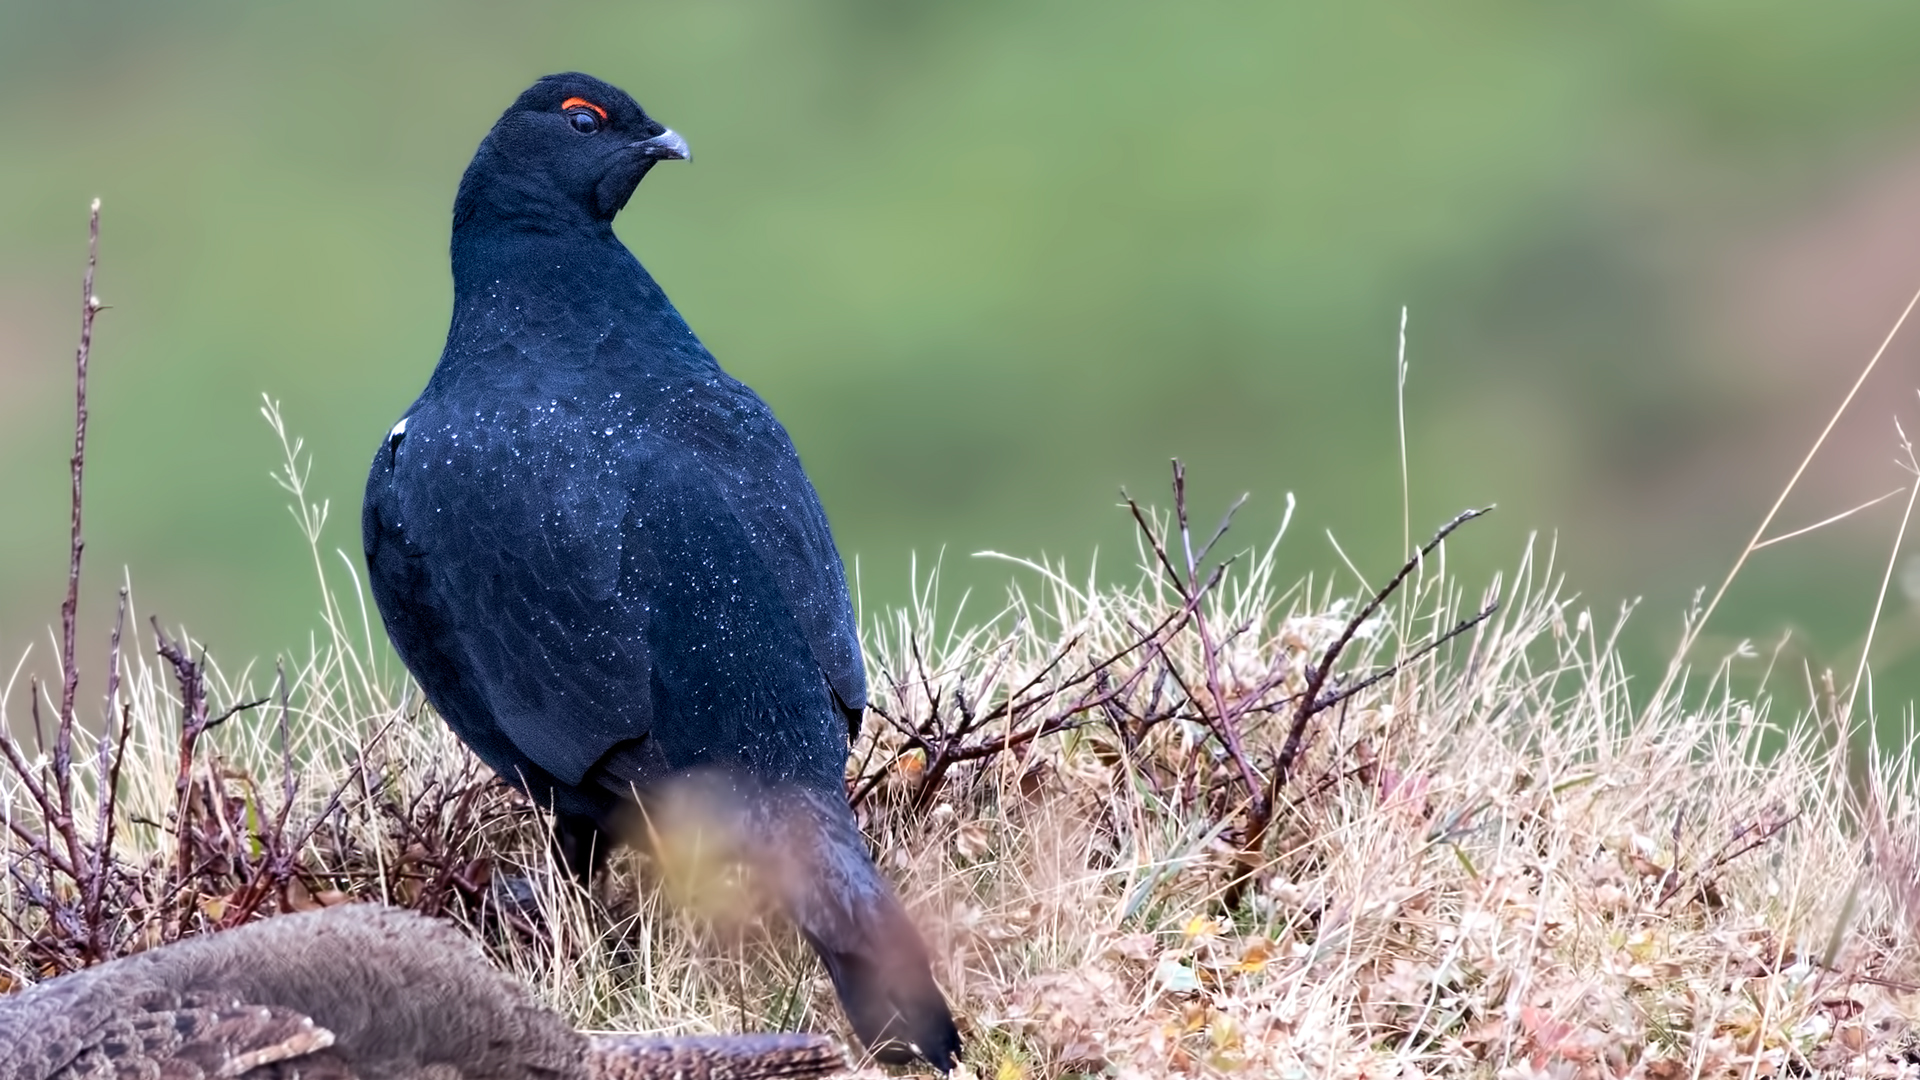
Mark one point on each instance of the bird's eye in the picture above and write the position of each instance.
(584, 115)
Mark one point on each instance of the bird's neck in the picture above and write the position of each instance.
(583, 269)
(574, 292)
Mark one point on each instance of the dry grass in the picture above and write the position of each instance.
(1486, 866)
(1209, 824)
(1489, 863)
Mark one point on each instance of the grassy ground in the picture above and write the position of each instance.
(1494, 861)
(1214, 823)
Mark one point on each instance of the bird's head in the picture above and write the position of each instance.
(571, 148)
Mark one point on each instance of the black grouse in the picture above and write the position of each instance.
(599, 556)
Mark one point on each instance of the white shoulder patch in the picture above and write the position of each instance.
(398, 430)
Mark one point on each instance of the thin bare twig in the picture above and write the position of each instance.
(70, 608)
(1317, 678)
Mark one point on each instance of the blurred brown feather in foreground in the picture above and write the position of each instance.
(357, 992)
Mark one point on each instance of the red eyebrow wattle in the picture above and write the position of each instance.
(582, 103)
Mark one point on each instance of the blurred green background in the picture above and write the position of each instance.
(991, 262)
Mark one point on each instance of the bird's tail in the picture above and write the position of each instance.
(848, 912)
(804, 847)
(713, 1057)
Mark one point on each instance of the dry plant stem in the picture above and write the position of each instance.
(1749, 838)
(1226, 714)
(70, 609)
(1454, 631)
(1310, 700)
(1697, 624)
(1310, 703)
(1912, 466)
(190, 674)
(108, 757)
(61, 766)
(1826, 521)
(37, 791)
(1192, 591)
(1107, 688)
(1400, 407)
(289, 785)
(277, 865)
(945, 746)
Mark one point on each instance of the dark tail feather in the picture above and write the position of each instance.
(890, 997)
(847, 911)
(804, 846)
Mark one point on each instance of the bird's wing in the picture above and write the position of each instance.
(759, 475)
(499, 575)
(211, 1041)
(561, 586)
(193, 1039)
